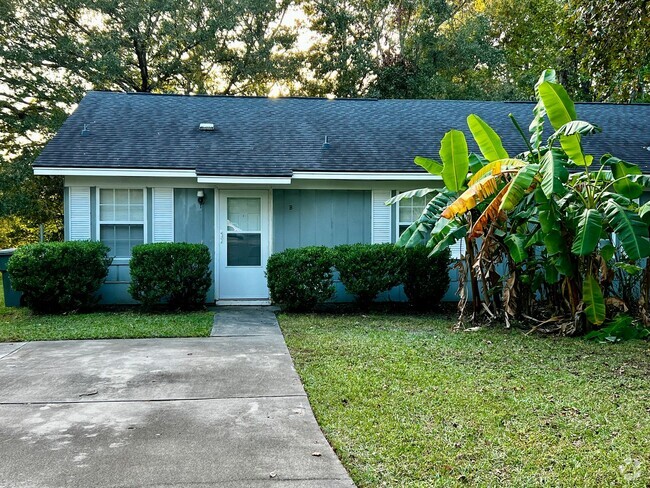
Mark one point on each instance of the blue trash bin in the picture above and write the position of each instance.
(12, 297)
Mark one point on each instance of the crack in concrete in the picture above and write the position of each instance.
(152, 400)
(14, 351)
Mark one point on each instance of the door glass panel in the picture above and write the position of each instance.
(244, 214)
(244, 249)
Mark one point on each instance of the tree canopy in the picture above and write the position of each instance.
(52, 51)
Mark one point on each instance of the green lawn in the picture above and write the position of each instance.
(405, 401)
(20, 325)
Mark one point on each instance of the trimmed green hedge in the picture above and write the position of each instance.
(59, 277)
(425, 278)
(368, 269)
(174, 273)
(300, 279)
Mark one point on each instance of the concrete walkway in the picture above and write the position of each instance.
(226, 411)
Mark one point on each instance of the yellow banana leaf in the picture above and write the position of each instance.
(472, 196)
(490, 214)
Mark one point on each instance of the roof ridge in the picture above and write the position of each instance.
(350, 99)
(210, 95)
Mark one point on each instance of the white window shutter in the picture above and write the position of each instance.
(163, 215)
(79, 215)
(381, 222)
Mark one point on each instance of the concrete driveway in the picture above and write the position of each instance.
(221, 411)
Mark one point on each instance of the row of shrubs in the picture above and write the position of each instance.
(65, 276)
(57, 277)
(301, 279)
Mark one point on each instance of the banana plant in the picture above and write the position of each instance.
(547, 212)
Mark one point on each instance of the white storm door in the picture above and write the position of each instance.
(243, 245)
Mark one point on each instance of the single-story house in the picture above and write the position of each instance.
(249, 176)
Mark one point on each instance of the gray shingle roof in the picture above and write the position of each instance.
(274, 137)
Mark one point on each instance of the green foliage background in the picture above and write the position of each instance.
(53, 51)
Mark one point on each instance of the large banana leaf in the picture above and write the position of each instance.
(576, 127)
(631, 231)
(420, 192)
(557, 103)
(419, 231)
(432, 166)
(447, 236)
(517, 246)
(476, 162)
(644, 212)
(554, 242)
(592, 296)
(536, 127)
(490, 214)
(455, 160)
(554, 173)
(472, 196)
(590, 227)
(488, 141)
(549, 214)
(563, 263)
(496, 168)
(519, 186)
(561, 110)
(625, 186)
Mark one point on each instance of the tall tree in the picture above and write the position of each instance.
(400, 49)
(535, 35)
(52, 51)
(614, 37)
(599, 48)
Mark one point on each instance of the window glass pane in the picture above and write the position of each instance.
(137, 213)
(122, 197)
(137, 233)
(122, 248)
(244, 250)
(244, 214)
(402, 228)
(106, 196)
(121, 212)
(107, 234)
(106, 212)
(122, 232)
(121, 205)
(136, 196)
(121, 238)
(404, 214)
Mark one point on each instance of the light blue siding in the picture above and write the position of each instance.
(320, 218)
(195, 223)
(192, 223)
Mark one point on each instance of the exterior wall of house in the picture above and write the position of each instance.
(320, 218)
(302, 216)
(194, 223)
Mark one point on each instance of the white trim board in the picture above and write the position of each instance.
(43, 170)
(363, 175)
(246, 180)
(221, 303)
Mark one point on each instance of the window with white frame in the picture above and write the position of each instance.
(121, 220)
(409, 210)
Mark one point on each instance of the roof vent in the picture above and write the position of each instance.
(326, 143)
(85, 131)
(206, 126)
